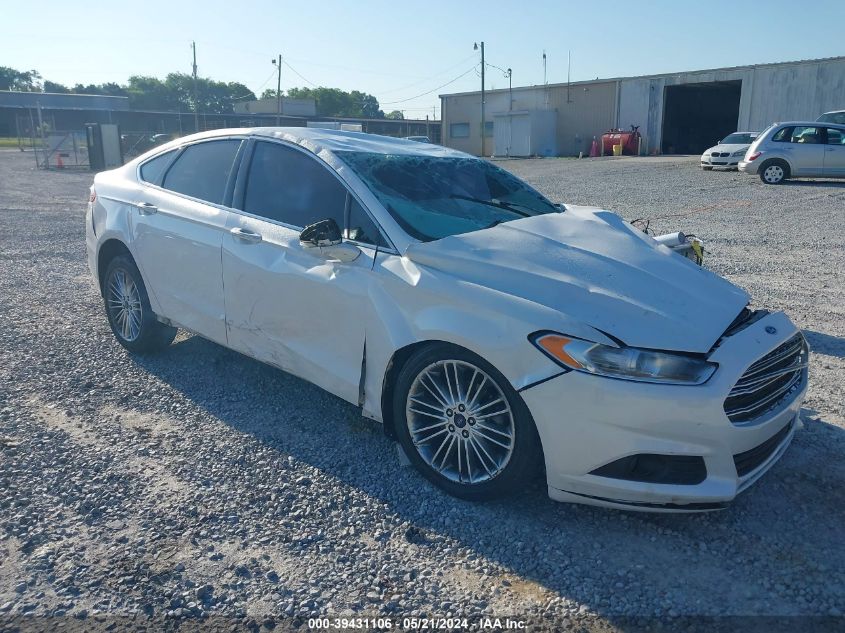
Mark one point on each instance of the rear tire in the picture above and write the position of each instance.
(128, 309)
(463, 426)
(774, 172)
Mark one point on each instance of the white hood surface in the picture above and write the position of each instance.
(594, 267)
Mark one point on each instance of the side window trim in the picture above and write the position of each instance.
(239, 192)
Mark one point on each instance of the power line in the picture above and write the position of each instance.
(442, 72)
(306, 80)
(464, 74)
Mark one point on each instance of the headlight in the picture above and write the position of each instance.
(740, 152)
(628, 363)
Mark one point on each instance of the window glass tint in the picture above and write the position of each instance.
(833, 117)
(202, 170)
(784, 135)
(835, 137)
(811, 135)
(289, 186)
(151, 170)
(361, 226)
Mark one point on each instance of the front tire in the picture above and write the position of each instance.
(707, 168)
(463, 426)
(774, 172)
(128, 309)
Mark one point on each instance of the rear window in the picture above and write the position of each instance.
(203, 169)
(833, 117)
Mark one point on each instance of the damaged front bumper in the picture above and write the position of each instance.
(653, 447)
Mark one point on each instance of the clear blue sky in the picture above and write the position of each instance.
(398, 50)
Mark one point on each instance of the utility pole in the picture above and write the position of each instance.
(196, 97)
(510, 90)
(483, 125)
(278, 90)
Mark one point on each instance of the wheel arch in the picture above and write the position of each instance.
(398, 360)
(109, 249)
(777, 159)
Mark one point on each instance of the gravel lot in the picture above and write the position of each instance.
(200, 483)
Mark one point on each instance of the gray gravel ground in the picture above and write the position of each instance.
(202, 484)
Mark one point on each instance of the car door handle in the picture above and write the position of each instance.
(244, 235)
(147, 208)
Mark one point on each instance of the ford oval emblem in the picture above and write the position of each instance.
(771, 329)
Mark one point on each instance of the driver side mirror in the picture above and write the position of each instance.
(325, 236)
(322, 233)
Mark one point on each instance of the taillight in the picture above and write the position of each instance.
(754, 156)
(93, 196)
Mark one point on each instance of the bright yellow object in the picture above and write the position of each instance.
(617, 150)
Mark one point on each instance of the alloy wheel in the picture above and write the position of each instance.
(124, 305)
(460, 422)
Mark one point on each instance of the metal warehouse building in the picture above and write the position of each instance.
(678, 113)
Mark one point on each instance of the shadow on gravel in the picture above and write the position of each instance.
(745, 559)
(837, 184)
(827, 344)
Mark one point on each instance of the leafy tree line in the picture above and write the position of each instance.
(176, 93)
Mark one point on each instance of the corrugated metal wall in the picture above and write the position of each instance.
(782, 92)
(776, 92)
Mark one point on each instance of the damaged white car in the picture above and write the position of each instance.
(495, 334)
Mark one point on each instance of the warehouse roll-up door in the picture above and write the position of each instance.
(696, 116)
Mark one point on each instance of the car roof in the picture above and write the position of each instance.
(810, 123)
(319, 140)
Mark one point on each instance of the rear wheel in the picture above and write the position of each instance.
(128, 309)
(774, 172)
(463, 426)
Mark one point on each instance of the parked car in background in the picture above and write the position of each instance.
(837, 116)
(495, 334)
(728, 152)
(797, 150)
(418, 139)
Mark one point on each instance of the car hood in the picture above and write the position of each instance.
(731, 147)
(594, 267)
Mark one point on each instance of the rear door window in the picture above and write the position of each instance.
(203, 169)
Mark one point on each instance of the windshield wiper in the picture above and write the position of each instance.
(498, 204)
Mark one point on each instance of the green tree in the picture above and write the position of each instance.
(23, 80)
(395, 114)
(337, 102)
(110, 88)
(52, 86)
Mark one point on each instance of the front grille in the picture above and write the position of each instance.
(768, 382)
(748, 461)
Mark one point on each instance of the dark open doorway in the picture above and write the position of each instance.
(695, 116)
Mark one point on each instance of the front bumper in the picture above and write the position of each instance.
(586, 422)
(727, 162)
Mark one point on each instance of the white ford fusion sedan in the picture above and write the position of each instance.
(495, 334)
